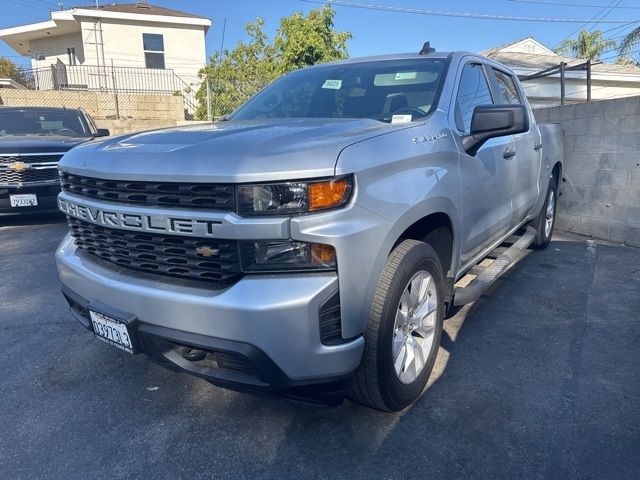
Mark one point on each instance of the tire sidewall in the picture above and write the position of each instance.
(543, 239)
(396, 394)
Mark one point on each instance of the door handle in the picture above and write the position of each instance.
(537, 146)
(509, 152)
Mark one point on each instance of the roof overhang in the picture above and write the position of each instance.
(134, 17)
(19, 38)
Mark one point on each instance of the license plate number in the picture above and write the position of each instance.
(112, 331)
(24, 200)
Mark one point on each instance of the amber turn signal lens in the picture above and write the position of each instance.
(323, 255)
(327, 194)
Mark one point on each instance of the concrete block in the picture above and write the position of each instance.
(590, 109)
(566, 112)
(605, 125)
(628, 160)
(596, 194)
(630, 124)
(609, 211)
(612, 178)
(618, 231)
(622, 106)
(633, 197)
(579, 176)
(573, 192)
(568, 144)
(621, 196)
(633, 216)
(578, 208)
(541, 114)
(567, 223)
(595, 228)
(634, 181)
(587, 143)
(633, 236)
(620, 142)
(576, 126)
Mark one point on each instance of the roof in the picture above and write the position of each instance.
(141, 8)
(518, 59)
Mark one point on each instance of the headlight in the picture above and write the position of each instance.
(293, 197)
(286, 255)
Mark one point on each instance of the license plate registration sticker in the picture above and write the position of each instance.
(112, 331)
(24, 200)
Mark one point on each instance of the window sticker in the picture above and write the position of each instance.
(332, 84)
(401, 118)
(406, 75)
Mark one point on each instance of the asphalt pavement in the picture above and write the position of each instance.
(540, 378)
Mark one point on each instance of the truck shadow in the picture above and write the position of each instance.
(31, 219)
(503, 392)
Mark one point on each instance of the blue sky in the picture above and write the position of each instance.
(373, 31)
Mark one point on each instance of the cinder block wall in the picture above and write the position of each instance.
(601, 195)
(99, 105)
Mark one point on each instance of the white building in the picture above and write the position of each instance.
(139, 35)
(527, 57)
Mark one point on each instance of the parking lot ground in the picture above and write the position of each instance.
(540, 378)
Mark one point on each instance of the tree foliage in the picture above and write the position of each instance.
(629, 41)
(241, 72)
(8, 69)
(588, 45)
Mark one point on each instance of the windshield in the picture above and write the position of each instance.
(31, 122)
(389, 91)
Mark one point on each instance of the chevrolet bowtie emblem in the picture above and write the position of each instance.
(207, 251)
(18, 166)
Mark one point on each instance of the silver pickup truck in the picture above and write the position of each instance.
(312, 240)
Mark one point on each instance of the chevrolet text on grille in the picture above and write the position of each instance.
(140, 222)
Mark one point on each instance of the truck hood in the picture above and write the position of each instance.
(38, 143)
(231, 151)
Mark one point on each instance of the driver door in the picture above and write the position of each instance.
(486, 178)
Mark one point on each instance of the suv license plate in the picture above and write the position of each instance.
(25, 200)
(112, 331)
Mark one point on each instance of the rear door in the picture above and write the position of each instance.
(487, 178)
(527, 145)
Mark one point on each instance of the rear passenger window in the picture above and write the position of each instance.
(473, 91)
(507, 92)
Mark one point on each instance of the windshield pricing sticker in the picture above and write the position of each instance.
(332, 84)
(406, 75)
(401, 118)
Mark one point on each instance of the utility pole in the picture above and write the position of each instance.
(115, 90)
(588, 80)
(562, 85)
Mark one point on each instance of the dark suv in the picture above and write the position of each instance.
(32, 141)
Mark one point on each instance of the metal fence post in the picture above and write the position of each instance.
(209, 116)
(562, 85)
(588, 80)
(115, 91)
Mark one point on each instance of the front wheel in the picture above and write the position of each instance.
(403, 334)
(546, 220)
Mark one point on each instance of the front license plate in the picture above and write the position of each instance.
(24, 200)
(112, 331)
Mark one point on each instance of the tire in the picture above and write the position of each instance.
(544, 232)
(377, 383)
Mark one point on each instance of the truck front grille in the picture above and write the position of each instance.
(167, 255)
(17, 157)
(208, 196)
(31, 175)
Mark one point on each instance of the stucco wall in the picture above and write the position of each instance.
(100, 105)
(601, 195)
(55, 48)
(184, 45)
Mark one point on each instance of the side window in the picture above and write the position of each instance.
(507, 92)
(473, 91)
(153, 44)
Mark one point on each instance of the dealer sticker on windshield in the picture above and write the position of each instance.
(401, 118)
(332, 84)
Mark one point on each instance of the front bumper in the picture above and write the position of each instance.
(46, 194)
(273, 320)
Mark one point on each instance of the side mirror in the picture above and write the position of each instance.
(491, 121)
(102, 132)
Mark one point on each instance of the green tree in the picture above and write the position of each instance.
(8, 69)
(241, 72)
(588, 45)
(629, 41)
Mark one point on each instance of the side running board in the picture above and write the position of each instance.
(486, 276)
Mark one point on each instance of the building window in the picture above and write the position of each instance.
(153, 45)
(71, 53)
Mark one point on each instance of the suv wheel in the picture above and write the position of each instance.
(404, 330)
